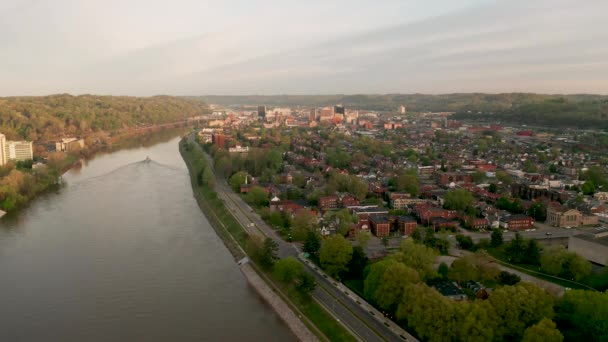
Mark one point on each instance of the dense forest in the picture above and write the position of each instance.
(49, 117)
(582, 111)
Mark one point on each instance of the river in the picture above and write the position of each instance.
(123, 253)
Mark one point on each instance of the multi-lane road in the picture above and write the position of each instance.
(366, 323)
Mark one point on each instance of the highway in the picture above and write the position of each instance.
(351, 311)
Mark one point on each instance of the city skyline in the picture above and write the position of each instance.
(240, 47)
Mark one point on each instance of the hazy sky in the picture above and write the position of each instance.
(193, 47)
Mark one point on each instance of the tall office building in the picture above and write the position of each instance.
(2, 149)
(261, 111)
(339, 109)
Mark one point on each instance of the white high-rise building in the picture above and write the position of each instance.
(19, 150)
(15, 150)
(2, 149)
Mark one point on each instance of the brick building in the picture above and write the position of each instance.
(559, 216)
(517, 222)
(380, 225)
(406, 225)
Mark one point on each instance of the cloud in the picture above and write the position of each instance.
(244, 47)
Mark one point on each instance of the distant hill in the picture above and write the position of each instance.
(581, 110)
(46, 117)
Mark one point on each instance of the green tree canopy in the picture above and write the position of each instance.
(386, 282)
(458, 199)
(312, 243)
(304, 222)
(257, 197)
(543, 331)
(558, 261)
(335, 254)
(418, 257)
(288, 269)
(582, 315)
(518, 307)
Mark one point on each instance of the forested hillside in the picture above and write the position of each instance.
(560, 112)
(48, 117)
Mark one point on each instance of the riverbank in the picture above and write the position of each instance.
(26, 184)
(236, 240)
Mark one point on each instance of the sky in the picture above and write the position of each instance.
(248, 47)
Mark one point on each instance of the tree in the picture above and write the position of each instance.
(357, 263)
(431, 315)
(518, 307)
(496, 238)
(358, 187)
(305, 284)
(443, 270)
(363, 237)
(458, 199)
(257, 197)
(344, 220)
(479, 177)
(463, 271)
(517, 248)
(476, 322)
(268, 253)
(304, 222)
(291, 272)
(588, 188)
(532, 253)
(408, 181)
(335, 254)
(392, 284)
(416, 235)
(537, 211)
(208, 178)
(417, 256)
(465, 242)
(529, 166)
(543, 331)
(596, 175)
(312, 243)
(493, 188)
(581, 315)
(236, 180)
(504, 177)
(506, 278)
(288, 269)
(558, 261)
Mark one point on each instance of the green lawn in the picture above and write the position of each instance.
(534, 271)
